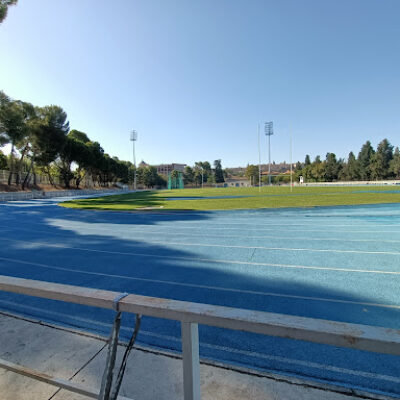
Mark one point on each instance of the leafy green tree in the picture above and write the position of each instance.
(395, 164)
(332, 167)
(380, 162)
(252, 173)
(50, 134)
(12, 126)
(175, 174)
(79, 136)
(150, 176)
(3, 161)
(198, 175)
(82, 155)
(188, 175)
(307, 160)
(202, 167)
(4, 4)
(72, 151)
(96, 155)
(350, 171)
(218, 173)
(364, 160)
(317, 170)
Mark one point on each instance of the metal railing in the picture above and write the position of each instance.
(361, 337)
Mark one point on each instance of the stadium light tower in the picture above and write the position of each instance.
(134, 136)
(269, 131)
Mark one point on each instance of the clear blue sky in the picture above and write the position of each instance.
(194, 78)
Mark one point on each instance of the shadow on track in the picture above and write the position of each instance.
(35, 249)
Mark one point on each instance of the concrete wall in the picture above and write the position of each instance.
(36, 194)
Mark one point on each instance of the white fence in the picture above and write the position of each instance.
(352, 183)
(361, 337)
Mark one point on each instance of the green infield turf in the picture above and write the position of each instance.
(240, 198)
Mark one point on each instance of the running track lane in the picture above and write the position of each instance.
(338, 263)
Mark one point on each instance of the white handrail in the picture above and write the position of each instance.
(361, 337)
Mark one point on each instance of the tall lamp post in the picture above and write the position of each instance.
(269, 131)
(134, 136)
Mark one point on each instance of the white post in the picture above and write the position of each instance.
(259, 160)
(191, 362)
(291, 163)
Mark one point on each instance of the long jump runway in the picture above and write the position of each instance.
(335, 263)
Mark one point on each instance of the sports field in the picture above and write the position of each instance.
(339, 263)
(242, 198)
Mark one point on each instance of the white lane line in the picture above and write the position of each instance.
(207, 260)
(227, 246)
(207, 287)
(316, 223)
(393, 253)
(79, 321)
(167, 243)
(63, 225)
(132, 228)
(71, 226)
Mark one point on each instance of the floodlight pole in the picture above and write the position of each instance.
(269, 131)
(133, 140)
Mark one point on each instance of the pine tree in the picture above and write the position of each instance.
(218, 173)
(381, 160)
(364, 160)
(395, 164)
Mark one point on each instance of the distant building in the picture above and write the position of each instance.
(165, 169)
(234, 182)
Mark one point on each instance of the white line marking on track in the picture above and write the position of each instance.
(243, 291)
(152, 232)
(395, 253)
(286, 360)
(136, 244)
(176, 226)
(63, 246)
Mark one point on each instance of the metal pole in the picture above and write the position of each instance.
(202, 177)
(291, 163)
(269, 160)
(269, 130)
(133, 139)
(191, 361)
(134, 163)
(259, 160)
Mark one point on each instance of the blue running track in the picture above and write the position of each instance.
(335, 263)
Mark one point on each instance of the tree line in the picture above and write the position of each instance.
(202, 173)
(370, 164)
(41, 142)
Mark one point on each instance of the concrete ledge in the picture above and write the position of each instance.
(150, 374)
